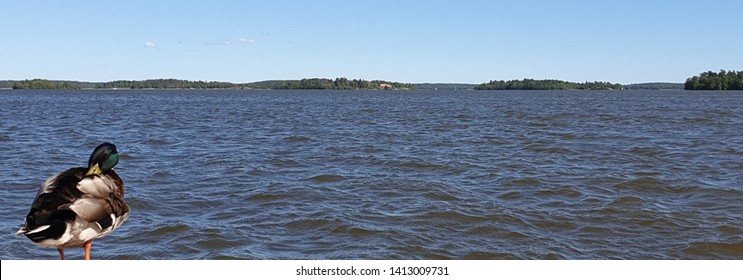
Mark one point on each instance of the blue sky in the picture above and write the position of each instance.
(408, 41)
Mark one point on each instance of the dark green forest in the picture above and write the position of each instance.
(445, 86)
(529, 84)
(7, 84)
(319, 84)
(724, 80)
(166, 84)
(45, 84)
(655, 86)
(337, 84)
(323, 84)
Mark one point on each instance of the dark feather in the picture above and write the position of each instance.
(56, 196)
(56, 227)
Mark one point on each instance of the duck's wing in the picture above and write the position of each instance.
(117, 211)
(101, 210)
(88, 208)
(50, 210)
(102, 201)
(100, 186)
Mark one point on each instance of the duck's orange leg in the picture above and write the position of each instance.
(61, 253)
(88, 244)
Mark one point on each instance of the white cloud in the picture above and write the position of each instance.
(245, 41)
(149, 45)
(241, 41)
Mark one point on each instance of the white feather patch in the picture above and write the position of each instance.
(87, 234)
(66, 237)
(121, 219)
(89, 209)
(96, 186)
(38, 229)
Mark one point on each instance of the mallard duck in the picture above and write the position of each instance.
(78, 205)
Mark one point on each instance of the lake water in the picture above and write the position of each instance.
(391, 175)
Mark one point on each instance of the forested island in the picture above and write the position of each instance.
(724, 80)
(529, 84)
(445, 86)
(655, 86)
(45, 84)
(318, 84)
(328, 84)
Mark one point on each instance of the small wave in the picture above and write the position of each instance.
(441, 196)
(169, 230)
(556, 204)
(698, 120)
(140, 204)
(540, 148)
(226, 257)
(516, 235)
(126, 156)
(537, 124)
(451, 216)
(594, 230)
(729, 230)
(373, 150)
(525, 182)
(327, 178)
(266, 196)
(553, 256)
(213, 243)
(660, 223)
(716, 250)
(294, 139)
(483, 230)
(162, 174)
(733, 152)
(627, 201)
(553, 225)
(560, 192)
(285, 163)
(479, 255)
(645, 184)
(647, 151)
(309, 223)
(421, 165)
(155, 142)
(512, 195)
(647, 173)
(568, 136)
(356, 231)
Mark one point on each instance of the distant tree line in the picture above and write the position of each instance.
(655, 86)
(45, 84)
(7, 84)
(529, 84)
(445, 86)
(324, 84)
(337, 84)
(724, 80)
(167, 84)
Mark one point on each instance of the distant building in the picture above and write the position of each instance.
(385, 86)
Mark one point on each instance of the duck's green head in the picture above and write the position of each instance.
(103, 159)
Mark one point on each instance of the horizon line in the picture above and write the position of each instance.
(257, 81)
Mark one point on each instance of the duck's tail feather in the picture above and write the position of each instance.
(54, 228)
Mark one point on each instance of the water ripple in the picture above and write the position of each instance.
(393, 175)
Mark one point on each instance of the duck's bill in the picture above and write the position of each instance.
(94, 170)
